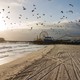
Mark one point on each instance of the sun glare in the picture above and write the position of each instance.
(2, 25)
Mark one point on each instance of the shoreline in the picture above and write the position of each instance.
(13, 67)
(52, 62)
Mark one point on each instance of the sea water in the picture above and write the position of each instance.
(10, 51)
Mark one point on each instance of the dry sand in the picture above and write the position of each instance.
(54, 62)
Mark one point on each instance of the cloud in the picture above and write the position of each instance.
(14, 2)
(65, 21)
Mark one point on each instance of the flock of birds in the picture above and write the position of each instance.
(38, 16)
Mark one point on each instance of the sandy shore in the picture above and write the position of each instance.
(54, 62)
(14, 67)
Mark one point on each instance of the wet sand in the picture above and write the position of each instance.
(54, 62)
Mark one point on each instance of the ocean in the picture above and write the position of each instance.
(10, 51)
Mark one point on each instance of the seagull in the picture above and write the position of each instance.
(8, 7)
(19, 17)
(41, 23)
(32, 10)
(36, 23)
(49, 0)
(31, 28)
(33, 15)
(37, 13)
(59, 22)
(61, 11)
(71, 5)
(63, 16)
(9, 12)
(4, 21)
(70, 11)
(26, 18)
(50, 16)
(34, 5)
(43, 14)
(3, 9)
(6, 16)
(2, 17)
(24, 8)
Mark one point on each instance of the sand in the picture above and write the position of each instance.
(54, 62)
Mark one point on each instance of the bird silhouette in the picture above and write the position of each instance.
(37, 13)
(8, 6)
(43, 14)
(34, 5)
(61, 11)
(32, 10)
(19, 17)
(24, 8)
(49, 0)
(31, 28)
(9, 12)
(70, 11)
(3, 9)
(36, 23)
(26, 18)
(71, 5)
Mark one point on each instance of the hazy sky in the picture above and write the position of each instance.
(42, 14)
(13, 15)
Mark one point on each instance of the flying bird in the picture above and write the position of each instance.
(11, 23)
(19, 17)
(63, 16)
(61, 11)
(71, 5)
(9, 12)
(34, 5)
(37, 13)
(26, 18)
(24, 8)
(70, 11)
(8, 7)
(49, 0)
(6, 16)
(41, 23)
(36, 23)
(32, 10)
(59, 22)
(50, 16)
(31, 28)
(4, 21)
(3, 9)
(43, 14)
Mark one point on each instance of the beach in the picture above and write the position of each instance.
(53, 62)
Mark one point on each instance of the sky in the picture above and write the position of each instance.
(13, 15)
(60, 17)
